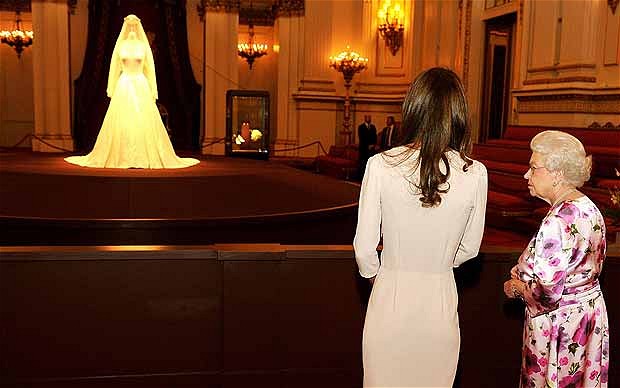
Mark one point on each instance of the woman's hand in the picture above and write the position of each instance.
(514, 273)
(513, 288)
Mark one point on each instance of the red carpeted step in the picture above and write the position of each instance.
(511, 143)
(506, 151)
(341, 162)
(504, 211)
(508, 183)
(603, 144)
(509, 205)
(590, 137)
(609, 183)
(604, 166)
(336, 167)
(601, 197)
(501, 153)
(516, 144)
(510, 168)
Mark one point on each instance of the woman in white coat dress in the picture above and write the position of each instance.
(427, 199)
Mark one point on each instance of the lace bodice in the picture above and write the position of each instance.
(132, 53)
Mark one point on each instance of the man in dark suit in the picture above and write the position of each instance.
(367, 142)
(389, 135)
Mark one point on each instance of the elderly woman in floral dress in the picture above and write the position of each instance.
(566, 332)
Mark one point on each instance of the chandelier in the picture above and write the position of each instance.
(391, 25)
(348, 63)
(18, 38)
(250, 51)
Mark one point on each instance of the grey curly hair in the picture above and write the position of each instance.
(563, 153)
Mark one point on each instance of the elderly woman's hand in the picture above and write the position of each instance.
(513, 288)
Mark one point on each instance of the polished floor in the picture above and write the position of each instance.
(47, 201)
(45, 186)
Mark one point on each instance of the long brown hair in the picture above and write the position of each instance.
(435, 121)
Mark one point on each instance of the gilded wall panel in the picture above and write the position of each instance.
(51, 70)
(317, 41)
(221, 74)
(611, 50)
(542, 33)
(317, 121)
(570, 103)
(578, 41)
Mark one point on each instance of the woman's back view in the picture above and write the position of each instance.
(427, 200)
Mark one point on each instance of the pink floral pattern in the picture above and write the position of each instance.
(566, 332)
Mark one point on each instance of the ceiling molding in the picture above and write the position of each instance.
(265, 12)
(15, 5)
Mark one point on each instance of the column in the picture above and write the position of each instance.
(51, 76)
(316, 101)
(289, 32)
(222, 73)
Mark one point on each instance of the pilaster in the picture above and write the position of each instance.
(221, 74)
(51, 71)
(289, 32)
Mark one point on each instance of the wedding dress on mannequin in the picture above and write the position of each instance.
(132, 134)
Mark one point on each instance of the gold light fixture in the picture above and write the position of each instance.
(18, 38)
(348, 63)
(391, 27)
(250, 51)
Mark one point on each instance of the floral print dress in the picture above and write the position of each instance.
(566, 332)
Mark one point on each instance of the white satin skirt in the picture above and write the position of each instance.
(132, 134)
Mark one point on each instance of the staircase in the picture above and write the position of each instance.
(510, 205)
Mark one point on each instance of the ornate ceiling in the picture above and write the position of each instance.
(15, 5)
(264, 12)
(258, 12)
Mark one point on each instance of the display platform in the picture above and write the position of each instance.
(45, 200)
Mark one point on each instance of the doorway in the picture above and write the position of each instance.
(497, 70)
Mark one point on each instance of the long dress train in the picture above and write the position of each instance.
(132, 134)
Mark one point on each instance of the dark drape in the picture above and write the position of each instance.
(179, 93)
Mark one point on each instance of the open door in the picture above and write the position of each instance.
(497, 69)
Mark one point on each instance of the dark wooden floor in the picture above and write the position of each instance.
(47, 201)
(106, 311)
(38, 185)
(229, 316)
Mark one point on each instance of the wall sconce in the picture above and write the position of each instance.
(250, 51)
(391, 27)
(18, 39)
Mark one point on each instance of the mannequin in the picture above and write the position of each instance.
(132, 134)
